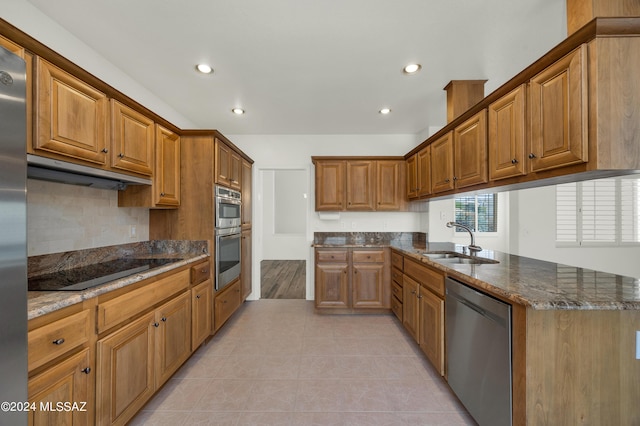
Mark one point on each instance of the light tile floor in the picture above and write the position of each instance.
(278, 363)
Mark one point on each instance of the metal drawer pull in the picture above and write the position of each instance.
(156, 324)
(164, 319)
(198, 297)
(58, 341)
(86, 370)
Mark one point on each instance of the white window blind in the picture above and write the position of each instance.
(598, 212)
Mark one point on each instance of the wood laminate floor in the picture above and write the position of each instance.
(283, 279)
(277, 362)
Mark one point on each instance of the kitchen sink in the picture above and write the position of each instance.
(453, 257)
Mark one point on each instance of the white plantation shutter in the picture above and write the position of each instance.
(630, 210)
(598, 212)
(567, 213)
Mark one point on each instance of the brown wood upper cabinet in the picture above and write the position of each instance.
(442, 164)
(132, 140)
(559, 108)
(359, 184)
(228, 166)
(71, 117)
(419, 173)
(507, 135)
(470, 156)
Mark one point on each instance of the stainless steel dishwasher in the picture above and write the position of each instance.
(478, 345)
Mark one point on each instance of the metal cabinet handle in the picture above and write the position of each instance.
(156, 324)
(455, 178)
(58, 341)
(162, 194)
(121, 155)
(105, 150)
(514, 161)
(198, 297)
(413, 292)
(164, 319)
(532, 155)
(86, 370)
(419, 296)
(447, 180)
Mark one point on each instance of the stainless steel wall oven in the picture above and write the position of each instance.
(228, 236)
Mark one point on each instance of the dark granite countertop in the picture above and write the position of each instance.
(530, 282)
(80, 264)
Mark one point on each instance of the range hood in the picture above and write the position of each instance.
(74, 174)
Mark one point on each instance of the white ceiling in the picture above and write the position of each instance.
(313, 66)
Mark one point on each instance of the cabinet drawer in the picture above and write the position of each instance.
(426, 276)
(200, 272)
(332, 256)
(397, 261)
(396, 290)
(396, 275)
(226, 303)
(368, 256)
(396, 308)
(122, 308)
(52, 340)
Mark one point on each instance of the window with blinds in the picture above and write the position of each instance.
(479, 212)
(598, 212)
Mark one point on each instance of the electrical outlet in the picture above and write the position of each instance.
(132, 231)
(353, 225)
(443, 215)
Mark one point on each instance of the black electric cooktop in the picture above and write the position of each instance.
(85, 277)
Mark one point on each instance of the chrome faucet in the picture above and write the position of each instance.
(472, 247)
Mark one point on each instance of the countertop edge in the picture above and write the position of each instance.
(51, 301)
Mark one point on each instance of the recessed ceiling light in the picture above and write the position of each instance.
(204, 68)
(237, 111)
(412, 68)
(385, 111)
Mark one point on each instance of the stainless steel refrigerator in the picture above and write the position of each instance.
(13, 239)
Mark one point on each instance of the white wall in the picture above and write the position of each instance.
(533, 232)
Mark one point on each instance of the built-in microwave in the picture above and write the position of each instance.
(228, 207)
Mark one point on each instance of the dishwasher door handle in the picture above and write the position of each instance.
(487, 314)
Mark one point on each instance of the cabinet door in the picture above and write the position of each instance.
(470, 142)
(360, 185)
(368, 286)
(124, 376)
(431, 329)
(245, 262)
(442, 164)
(424, 171)
(132, 137)
(173, 336)
(71, 116)
(506, 136)
(225, 303)
(390, 185)
(330, 185)
(166, 179)
(410, 311)
(70, 381)
(201, 305)
(332, 285)
(412, 176)
(558, 104)
(222, 161)
(235, 171)
(246, 194)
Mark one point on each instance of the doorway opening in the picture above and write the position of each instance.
(283, 262)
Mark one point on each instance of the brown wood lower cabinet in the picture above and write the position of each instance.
(201, 306)
(226, 302)
(352, 279)
(423, 310)
(134, 361)
(68, 382)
